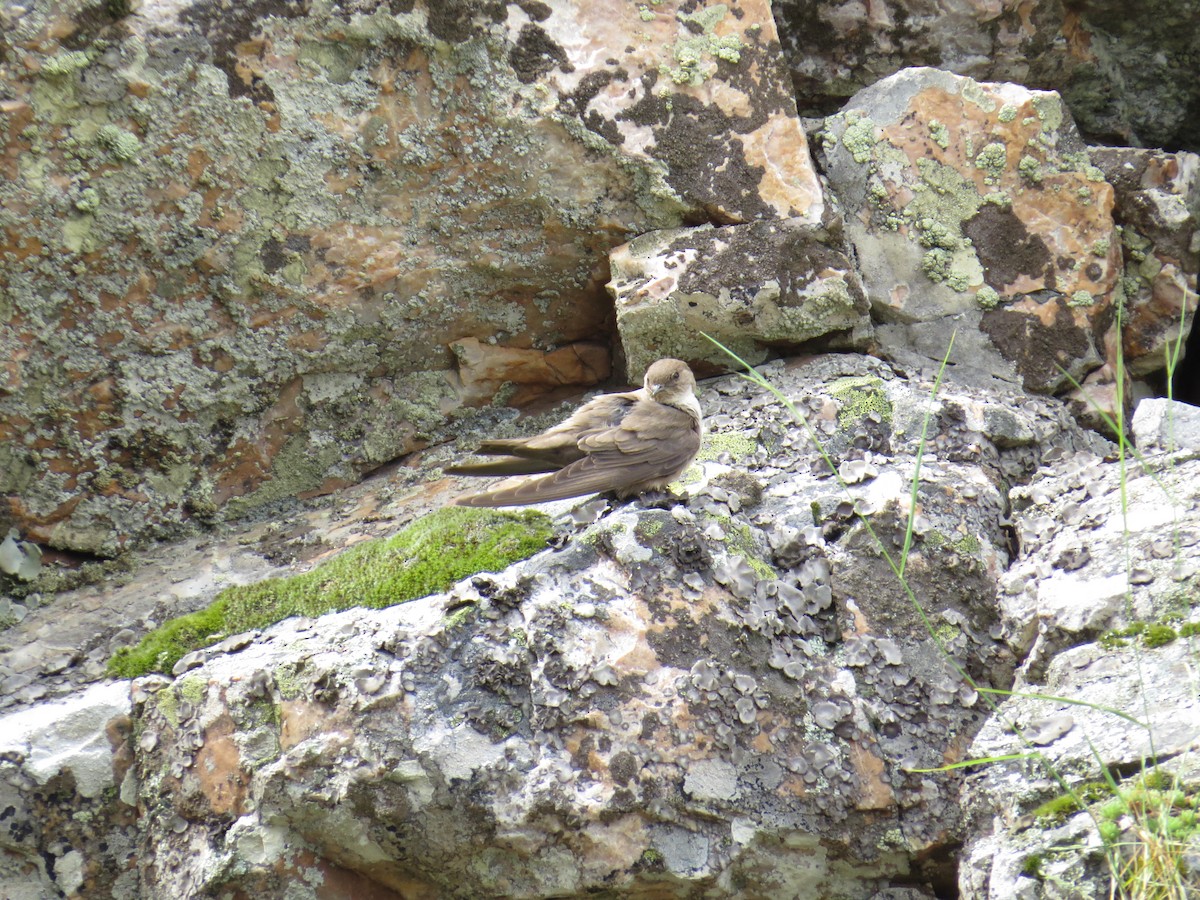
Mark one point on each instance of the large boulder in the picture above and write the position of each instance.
(758, 289)
(975, 208)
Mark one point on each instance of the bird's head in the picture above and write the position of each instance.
(668, 380)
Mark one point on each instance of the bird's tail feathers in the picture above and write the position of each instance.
(576, 480)
(511, 466)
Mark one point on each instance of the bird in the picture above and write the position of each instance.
(627, 443)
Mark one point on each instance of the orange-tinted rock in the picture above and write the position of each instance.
(975, 210)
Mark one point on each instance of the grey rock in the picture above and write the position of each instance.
(1165, 426)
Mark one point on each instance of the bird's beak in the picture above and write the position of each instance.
(655, 389)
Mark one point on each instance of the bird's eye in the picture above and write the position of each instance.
(675, 377)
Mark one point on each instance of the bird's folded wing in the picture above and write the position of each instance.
(560, 445)
(652, 442)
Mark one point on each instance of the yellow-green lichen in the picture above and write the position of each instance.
(735, 443)
(88, 200)
(1029, 169)
(940, 133)
(992, 160)
(973, 92)
(429, 555)
(192, 689)
(1100, 248)
(1050, 111)
(1008, 112)
(859, 138)
(987, 297)
(120, 144)
(936, 264)
(740, 540)
(693, 50)
(1081, 298)
(65, 63)
(288, 681)
(859, 397)
(967, 545)
(168, 705)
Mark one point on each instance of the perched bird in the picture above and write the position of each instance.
(628, 443)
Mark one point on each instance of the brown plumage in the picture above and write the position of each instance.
(627, 443)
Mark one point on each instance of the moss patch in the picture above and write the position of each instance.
(429, 555)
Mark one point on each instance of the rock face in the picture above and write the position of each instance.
(731, 695)
(755, 288)
(1098, 603)
(1125, 73)
(238, 244)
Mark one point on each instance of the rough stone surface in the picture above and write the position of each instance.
(238, 242)
(1164, 426)
(1158, 208)
(66, 796)
(1125, 72)
(975, 208)
(728, 695)
(1085, 568)
(755, 288)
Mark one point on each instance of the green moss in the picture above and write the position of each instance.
(1190, 629)
(1159, 636)
(859, 397)
(1031, 866)
(1056, 810)
(163, 647)
(429, 555)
